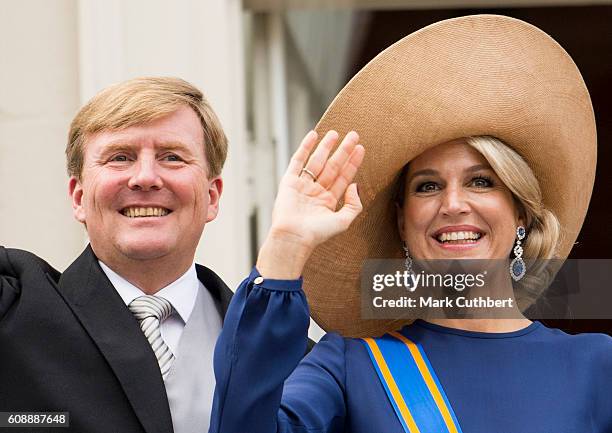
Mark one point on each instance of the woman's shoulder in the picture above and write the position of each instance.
(334, 347)
(330, 347)
(585, 338)
(341, 357)
(594, 349)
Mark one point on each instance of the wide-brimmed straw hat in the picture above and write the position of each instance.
(473, 75)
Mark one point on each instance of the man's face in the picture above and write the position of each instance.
(144, 193)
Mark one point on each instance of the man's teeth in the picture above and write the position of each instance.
(457, 236)
(137, 212)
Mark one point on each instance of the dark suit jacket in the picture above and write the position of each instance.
(68, 343)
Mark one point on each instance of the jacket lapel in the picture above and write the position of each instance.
(217, 288)
(117, 334)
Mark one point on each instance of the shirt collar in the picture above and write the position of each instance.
(181, 293)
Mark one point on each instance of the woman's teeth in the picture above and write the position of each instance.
(138, 212)
(459, 237)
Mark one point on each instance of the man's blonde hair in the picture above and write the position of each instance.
(138, 101)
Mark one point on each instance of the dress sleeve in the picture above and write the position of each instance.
(260, 386)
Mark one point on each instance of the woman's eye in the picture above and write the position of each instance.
(482, 182)
(427, 187)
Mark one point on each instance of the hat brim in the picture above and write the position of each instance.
(473, 75)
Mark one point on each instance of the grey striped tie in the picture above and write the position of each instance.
(151, 311)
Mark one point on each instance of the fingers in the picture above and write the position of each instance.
(334, 165)
(298, 160)
(347, 173)
(351, 208)
(334, 174)
(317, 160)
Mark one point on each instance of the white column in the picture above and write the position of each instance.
(278, 90)
(39, 95)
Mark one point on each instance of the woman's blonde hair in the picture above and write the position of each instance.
(542, 226)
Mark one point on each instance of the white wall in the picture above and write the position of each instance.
(39, 94)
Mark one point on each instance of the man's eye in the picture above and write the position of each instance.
(172, 157)
(119, 158)
(427, 187)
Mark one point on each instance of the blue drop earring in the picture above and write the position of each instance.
(408, 260)
(517, 266)
(408, 266)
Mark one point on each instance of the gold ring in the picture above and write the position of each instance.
(309, 173)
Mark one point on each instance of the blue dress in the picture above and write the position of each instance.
(535, 380)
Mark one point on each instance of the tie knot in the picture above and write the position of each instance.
(151, 306)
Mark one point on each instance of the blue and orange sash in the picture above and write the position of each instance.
(411, 385)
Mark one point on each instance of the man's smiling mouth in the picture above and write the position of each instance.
(142, 212)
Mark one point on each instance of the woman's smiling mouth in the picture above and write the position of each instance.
(458, 236)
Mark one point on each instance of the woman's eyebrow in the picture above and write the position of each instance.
(478, 167)
(432, 172)
(424, 172)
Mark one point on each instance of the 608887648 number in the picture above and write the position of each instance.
(34, 419)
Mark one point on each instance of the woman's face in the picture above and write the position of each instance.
(455, 206)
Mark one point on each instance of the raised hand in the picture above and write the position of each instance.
(305, 212)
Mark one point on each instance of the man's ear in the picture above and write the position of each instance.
(75, 191)
(215, 189)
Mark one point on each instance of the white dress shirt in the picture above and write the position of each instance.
(181, 294)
